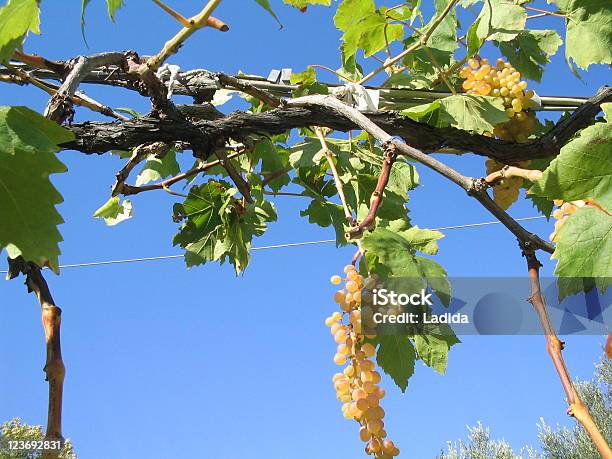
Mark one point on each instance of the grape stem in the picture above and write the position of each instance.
(128, 190)
(369, 221)
(330, 160)
(511, 171)
(554, 346)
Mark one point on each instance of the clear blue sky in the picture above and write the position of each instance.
(168, 362)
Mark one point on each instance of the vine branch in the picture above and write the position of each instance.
(59, 107)
(474, 187)
(54, 368)
(339, 188)
(554, 346)
(97, 137)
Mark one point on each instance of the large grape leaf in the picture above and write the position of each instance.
(432, 348)
(444, 37)
(530, 50)
(17, 19)
(583, 169)
(584, 250)
(501, 20)
(395, 249)
(239, 229)
(217, 227)
(472, 113)
(28, 143)
(463, 111)
(202, 220)
(588, 39)
(437, 279)
(421, 240)
(396, 356)
(364, 28)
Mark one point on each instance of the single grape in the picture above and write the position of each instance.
(336, 279)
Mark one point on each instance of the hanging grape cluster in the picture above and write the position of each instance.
(507, 190)
(503, 81)
(565, 210)
(357, 387)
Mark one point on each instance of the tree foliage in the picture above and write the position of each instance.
(556, 442)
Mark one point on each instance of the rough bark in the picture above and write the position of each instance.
(99, 137)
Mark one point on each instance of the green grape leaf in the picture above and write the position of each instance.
(114, 211)
(274, 160)
(111, 5)
(403, 178)
(240, 228)
(396, 356)
(463, 111)
(325, 213)
(202, 221)
(217, 227)
(474, 42)
(364, 28)
(307, 153)
(28, 143)
(444, 37)
(265, 4)
(583, 169)
(433, 349)
(584, 250)
(17, 19)
(530, 50)
(158, 168)
(472, 113)
(422, 240)
(359, 194)
(437, 279)
(588, 39)
(393, 250)
(424, 112)
(501, 20)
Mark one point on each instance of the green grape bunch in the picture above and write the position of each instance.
(357, 387)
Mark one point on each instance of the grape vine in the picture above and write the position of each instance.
(350, 149)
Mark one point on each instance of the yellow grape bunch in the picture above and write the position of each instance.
(507, 190)
(357, 387)
(565, 209)
(503, 81)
